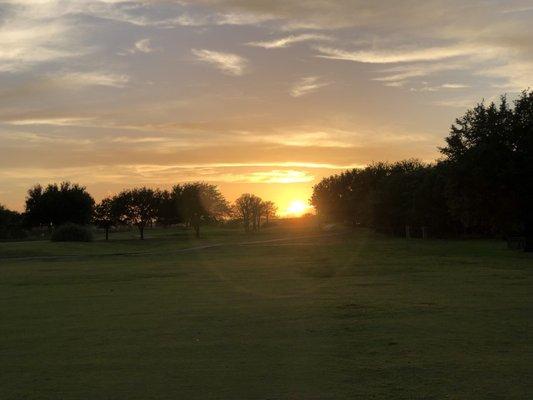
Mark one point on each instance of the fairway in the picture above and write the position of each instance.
(344, 316)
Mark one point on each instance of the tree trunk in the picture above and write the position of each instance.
(141, 230)
(107, 233)
(407, 231)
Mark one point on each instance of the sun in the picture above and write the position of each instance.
(297, 207)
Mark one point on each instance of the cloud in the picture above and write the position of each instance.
(307, 85)
(454, 86)
(140, 46)
(459, 102)
(143, 46)
(58, 121)
(400, 74)
(228, 63)
(435, 88)
(514, 76)
(394, 56)
(94, 78)
(289, 40)
(274, 176)
(25, 43)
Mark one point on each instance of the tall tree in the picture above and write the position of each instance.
(522, 166)
(489, 157)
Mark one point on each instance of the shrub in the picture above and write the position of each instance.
(12, 233)
(72, 233)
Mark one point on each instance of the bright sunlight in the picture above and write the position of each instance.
(297, 207)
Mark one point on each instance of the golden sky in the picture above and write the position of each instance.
(255, 96)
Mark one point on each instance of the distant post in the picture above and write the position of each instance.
(424, 233)
(407, 231)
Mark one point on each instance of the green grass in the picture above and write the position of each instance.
(340, 317)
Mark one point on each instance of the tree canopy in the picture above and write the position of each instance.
(137, 207)
(199, 202)
(482, 186)
(58, 204)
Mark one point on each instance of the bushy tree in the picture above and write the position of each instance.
(387, 197)
(483, 186)
(169, 207)
(247, 208)
(10, 224)
(138, 207)
(69, 232)
(489, 159)
(58, 204)
(199, 202)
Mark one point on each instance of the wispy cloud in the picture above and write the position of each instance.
(435, 88)
(274, 176)
(26, 43)
(289, 40)
(228, 63)
(460, 102)
(514, 76)
(307, 85)
(94, 78)
(454, 86)
(398, 75)
(394, 56)
(67, 121)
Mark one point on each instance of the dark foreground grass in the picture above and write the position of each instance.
(345, 317)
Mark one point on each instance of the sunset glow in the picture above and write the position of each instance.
(297, 208)
(266, 97)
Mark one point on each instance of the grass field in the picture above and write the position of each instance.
(352, 316)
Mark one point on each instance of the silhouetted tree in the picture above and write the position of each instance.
(484, 184)
(169, 207)
(269, 210)
(257, 213)
(105, 215)
(489, 159)
(10, 224)
(200, 202)
(137, 207)
(247, 209)
(58, 204)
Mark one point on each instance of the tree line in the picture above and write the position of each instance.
(482, 185)
(192, 204)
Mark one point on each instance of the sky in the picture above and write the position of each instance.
(254, 96)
